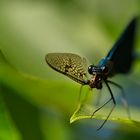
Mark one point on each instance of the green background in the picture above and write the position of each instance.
(36, 103)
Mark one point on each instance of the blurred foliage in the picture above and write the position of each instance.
(36, 102)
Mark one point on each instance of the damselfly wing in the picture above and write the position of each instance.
(118, 60)
(71, 65)
(122, 54)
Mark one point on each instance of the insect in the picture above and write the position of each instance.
(118, 61)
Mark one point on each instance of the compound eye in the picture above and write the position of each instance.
(90, 69)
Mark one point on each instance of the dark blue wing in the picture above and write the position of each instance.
(122, 51)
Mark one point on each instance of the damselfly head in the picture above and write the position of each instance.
(94, 69)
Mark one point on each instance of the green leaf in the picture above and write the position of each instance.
(22, 112)
(30, 87)
(7, 130)
(41, 91)
(85, 111)
(24, 96)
